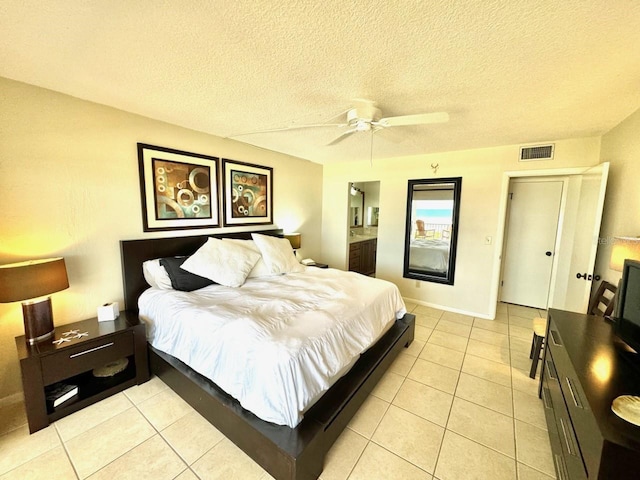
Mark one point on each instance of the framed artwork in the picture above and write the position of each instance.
(248, 193)
(179, 189)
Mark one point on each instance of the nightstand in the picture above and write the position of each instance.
(75, 350)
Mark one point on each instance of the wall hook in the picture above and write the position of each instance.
(435, 168)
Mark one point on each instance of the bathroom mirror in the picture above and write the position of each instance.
(433, 208)
(356, 206)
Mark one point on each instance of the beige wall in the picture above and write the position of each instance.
(621, 217)
(482, 176)
(70, 187)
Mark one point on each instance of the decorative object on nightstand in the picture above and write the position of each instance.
(59, 393)
(32, 282)
(108, 311)
(310, 262)
(111, 368)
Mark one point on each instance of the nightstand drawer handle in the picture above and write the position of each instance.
(91, 350)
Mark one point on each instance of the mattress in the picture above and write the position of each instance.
(277, 343)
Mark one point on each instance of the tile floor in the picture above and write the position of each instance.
(457, 404)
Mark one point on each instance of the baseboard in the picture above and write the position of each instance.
(448, 309)
(11, 399)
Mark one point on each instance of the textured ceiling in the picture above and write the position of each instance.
(508, 72)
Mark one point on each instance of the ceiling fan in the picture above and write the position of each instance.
(365, 116)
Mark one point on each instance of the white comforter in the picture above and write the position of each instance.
(277, 343)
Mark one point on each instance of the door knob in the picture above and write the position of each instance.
(548, 254)
(588, 276)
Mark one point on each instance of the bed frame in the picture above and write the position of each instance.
(286, 453)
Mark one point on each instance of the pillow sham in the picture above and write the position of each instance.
(260, 269)
(156, 275)
(277, 254)
(225, 263)
(181, 279)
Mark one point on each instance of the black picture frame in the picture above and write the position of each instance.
(179, 190)
(248, 193)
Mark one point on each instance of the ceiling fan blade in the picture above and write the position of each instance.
(292, 127)
(342, 137)
(417, 119)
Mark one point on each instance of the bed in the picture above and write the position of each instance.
(285, 452)
(429, 254)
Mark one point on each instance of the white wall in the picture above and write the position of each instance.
(70, 187)
(482, 176)
(621, 217)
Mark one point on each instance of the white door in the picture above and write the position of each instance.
(575, 293)
(532, 224)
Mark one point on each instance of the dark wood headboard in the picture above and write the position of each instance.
(134, 252)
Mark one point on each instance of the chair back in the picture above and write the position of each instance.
(603, 300)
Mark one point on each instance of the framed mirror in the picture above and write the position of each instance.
(433, 210)
(356, 206)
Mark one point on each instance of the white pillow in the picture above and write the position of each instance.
(156, 275)
(260, 269)
(225, 263)
(277, 254)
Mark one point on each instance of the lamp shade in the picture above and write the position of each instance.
(32, 279)
(624, 248)
(295, 239)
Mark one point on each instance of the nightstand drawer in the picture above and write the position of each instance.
(86, 356)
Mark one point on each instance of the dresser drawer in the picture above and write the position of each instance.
(86, 356)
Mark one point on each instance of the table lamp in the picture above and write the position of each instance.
(624, 248)
(31, 283)
(295, 239)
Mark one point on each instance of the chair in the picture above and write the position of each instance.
(604, 296)
(603, 300)
(420, 231)
(539, 332)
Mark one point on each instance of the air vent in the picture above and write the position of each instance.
(537, 152)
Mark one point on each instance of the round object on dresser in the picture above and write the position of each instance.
(111, 368)
(627, 407)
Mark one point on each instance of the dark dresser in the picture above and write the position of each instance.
(583, 371)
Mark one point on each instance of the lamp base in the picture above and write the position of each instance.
(38, 320)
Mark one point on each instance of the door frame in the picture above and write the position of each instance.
(564, 179)
(502, 218)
